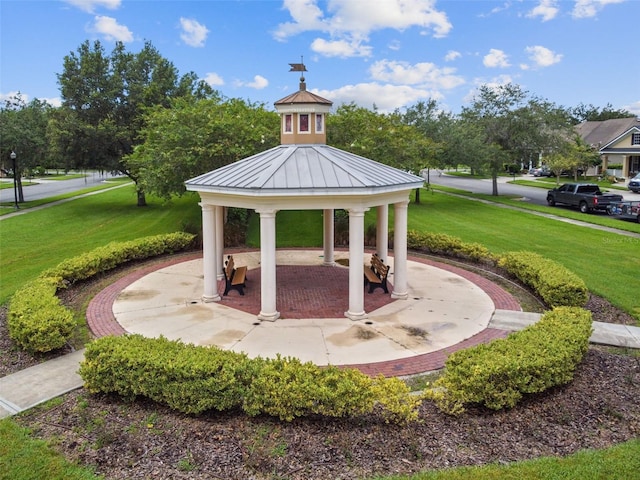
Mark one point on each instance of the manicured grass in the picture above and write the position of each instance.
(621, 462)
(41, 239)
(25, 458)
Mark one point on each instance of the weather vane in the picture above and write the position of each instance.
(298, 67)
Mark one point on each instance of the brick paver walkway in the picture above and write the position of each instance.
(312, 292)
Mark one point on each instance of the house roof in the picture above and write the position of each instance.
(604, 132)
(300, 170)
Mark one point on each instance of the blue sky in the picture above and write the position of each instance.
(387, 53)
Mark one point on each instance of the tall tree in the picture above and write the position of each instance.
(104, 97)
(514, 125)
(195, 136)
(23, 131)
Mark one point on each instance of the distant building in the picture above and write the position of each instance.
(617, 142)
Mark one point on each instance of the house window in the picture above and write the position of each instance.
(304, 123)
(635, 139)
(319, 123)
(288, 123)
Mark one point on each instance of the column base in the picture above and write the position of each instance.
(269, 317)
(211, 298)
(356, 316)
(329, 264)
(399, 295)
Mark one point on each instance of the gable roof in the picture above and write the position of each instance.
(605, 132)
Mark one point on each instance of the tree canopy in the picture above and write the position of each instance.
(195, 136)
(104, 97)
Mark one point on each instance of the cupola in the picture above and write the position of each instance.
(303, 114)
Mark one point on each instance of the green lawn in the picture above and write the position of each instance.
(41, 239)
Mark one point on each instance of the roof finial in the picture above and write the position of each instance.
(299, 67)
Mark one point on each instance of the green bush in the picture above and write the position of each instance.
(37, 321)
(194, 379)
(114, 254)
(556, 285)
(448, 245)
(187, 378)
(498, 374)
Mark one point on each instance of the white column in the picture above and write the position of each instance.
(400, 250)
(328, 234)
(209, 258)
(268, 310)
(382, 231)
(356, 264)
(220, 240)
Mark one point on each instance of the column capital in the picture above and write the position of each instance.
(357, 211)
(266, 212)
(207, 206)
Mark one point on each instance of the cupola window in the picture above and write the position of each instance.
(304, 123)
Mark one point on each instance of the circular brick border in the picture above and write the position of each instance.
(102, 321)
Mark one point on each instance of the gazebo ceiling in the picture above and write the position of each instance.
(304, 170)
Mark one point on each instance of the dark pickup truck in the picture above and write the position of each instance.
(586, 196)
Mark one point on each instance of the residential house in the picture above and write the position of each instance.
(617, 141)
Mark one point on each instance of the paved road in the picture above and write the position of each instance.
(533, 195)
(51, 188)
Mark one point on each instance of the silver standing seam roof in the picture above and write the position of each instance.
(304, 169)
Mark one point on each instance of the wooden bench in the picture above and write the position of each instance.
(234, 277)
(375, 274)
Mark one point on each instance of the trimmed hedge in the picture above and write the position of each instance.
(556, 285)
(498, 374)
(114, 254)
(37, 321)
(443, 244)
(194, 379)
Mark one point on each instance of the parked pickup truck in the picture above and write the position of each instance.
(586, 196)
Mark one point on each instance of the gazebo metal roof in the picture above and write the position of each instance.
(300, 170)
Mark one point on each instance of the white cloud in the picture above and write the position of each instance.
(109, 27)
(633, 108)
(546, 9)
(424, 74)
(496, 58)
(259, 82)
(348, 23)
(213, 79)
(90, 6)
(340, 48)
(452, 55)
(590, 8)
(193, 33)
(385, 97)
(542, 56)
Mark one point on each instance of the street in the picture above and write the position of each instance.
(51, 188)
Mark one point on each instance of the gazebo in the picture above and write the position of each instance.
(303, 172)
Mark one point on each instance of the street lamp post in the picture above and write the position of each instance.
(15, 178)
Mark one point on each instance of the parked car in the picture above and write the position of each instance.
(634, 184)
(586, 196)
(543, 171)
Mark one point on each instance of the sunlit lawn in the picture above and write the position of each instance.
(41, 239)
